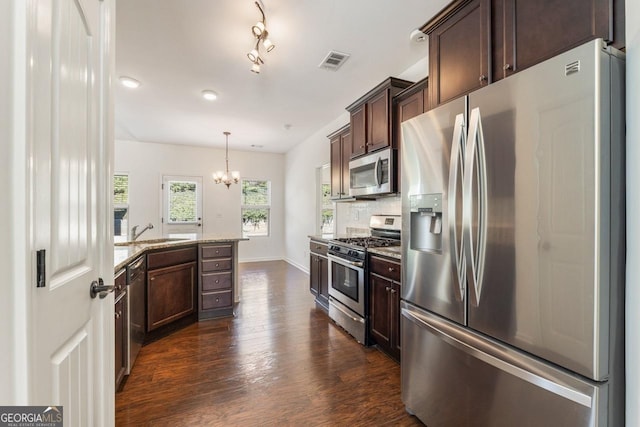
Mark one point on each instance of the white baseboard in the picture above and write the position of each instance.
(303, 268)
(300, 267)
(243, 260)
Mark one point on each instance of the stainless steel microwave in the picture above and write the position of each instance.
(372, 174)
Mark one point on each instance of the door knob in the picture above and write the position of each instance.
(99, 288)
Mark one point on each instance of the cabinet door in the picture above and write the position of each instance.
(314, 277)
(336, 167)
(345, 142)
(378, 122)
(394, 304)
(537, 30)
(358, 131)
(323, 280)
(459, 53)
(170, 294)
(120, 310)
(380, 310)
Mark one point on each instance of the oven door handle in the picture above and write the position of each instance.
(342, 261)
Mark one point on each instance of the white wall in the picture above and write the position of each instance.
(300, 191)
(632, 323)
(147, 162)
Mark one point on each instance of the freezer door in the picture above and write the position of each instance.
(540, 213)
(452, 377)
(432, 155)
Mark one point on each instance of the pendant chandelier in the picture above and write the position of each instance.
(227, 178)
(261, 34)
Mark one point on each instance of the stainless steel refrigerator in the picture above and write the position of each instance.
(513, 250)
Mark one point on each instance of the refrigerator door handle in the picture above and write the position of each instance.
(456, 163)
(475, 235)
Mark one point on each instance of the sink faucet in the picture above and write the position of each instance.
(135, 235)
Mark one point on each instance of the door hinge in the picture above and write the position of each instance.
(162, 186)
(40, 269)
(162, 220)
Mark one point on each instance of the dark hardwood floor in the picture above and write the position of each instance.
(280, 361)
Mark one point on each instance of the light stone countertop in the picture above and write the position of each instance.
(389, 251)
(124, 254)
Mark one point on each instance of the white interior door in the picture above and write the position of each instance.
(71, 335)
(181, 205)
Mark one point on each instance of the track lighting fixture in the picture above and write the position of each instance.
(261, 34)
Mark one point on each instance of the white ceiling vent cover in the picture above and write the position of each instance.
(334, 60)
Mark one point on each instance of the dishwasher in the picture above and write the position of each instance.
(137, 272)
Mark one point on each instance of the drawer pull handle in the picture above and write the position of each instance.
(217, 281)
(217, 265)
(393, 291)
(387, 288)
(391, 269)
(118, 314)
(217, 299)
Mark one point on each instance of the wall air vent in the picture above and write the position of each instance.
(572, 68)
(334, 60)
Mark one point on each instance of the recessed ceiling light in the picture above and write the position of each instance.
(129, 82)
(209, 95)
(257, 145)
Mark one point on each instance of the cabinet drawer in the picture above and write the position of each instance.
(216, 265)
(385, 268)
(318, 248)
(216, 281)
(216, 300)
(216, 251)
(171, 257)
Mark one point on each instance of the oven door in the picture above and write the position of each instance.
(346, 283)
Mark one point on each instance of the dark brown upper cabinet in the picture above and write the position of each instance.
(340, 142)
(459, 54)
(476, 42)
(534, 31)
(371, 118)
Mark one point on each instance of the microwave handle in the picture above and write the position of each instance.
(377, 172)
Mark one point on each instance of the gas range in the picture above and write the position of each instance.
(348, 284)
(355, 248)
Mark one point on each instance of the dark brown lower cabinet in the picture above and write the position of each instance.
(384, 319)
(319, 273)
(121, 326)
(170, 288)
(215, 291)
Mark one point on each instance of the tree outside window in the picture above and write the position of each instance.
(256, 206)
(327, 210)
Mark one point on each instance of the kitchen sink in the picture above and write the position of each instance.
(149, 241)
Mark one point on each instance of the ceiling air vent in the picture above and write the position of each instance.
(334, 60)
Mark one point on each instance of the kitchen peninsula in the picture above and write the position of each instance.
(165, 284)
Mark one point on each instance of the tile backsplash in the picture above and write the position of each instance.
(354, 216)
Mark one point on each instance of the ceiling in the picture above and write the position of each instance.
(177, 49)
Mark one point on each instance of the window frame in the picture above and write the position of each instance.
(244, 206)
(123, 235)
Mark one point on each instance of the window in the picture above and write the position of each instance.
(120, 204)
(327, 210)
(182, 205)
(256, 204)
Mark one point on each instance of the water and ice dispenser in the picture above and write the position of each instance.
(426, 222)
